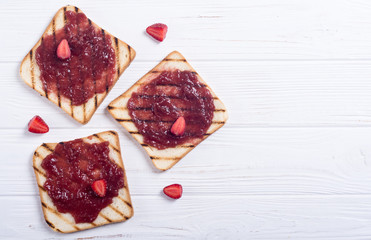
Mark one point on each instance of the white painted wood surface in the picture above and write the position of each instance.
(293, 160)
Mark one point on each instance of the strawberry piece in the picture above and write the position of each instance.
(157, 31)
(174, 191)
(37, 125)
(100, 187)
(63, 50)
(178, 127)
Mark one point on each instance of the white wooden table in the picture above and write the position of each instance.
(293, 160)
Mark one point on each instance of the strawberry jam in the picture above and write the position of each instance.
(158, 104)
(91, 67)
(70, 171)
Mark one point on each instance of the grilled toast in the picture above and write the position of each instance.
(30, 71)
(166, 158)
(119, 210)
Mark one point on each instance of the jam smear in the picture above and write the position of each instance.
(91, 67)
(154, 108)
(70, 171)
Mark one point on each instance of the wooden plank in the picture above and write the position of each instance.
(211, 217)
(256, 94)
(210, 30)
(234, 161)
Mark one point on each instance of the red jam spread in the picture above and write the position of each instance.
(158, 104)
(89, 70)
(70, 171)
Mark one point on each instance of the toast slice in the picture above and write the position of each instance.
(119, 210)
(30, 72)
(166, 158)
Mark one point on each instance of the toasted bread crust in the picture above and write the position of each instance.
(165, 159)
(30, 72)
(121, 208)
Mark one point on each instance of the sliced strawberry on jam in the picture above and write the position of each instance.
(37, 125)
(174, 191)
(157, 31)
(178, 127)
(63, 50)
(100, 187)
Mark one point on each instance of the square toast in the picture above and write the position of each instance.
(119, 210)
(166, 158)
(30, 71)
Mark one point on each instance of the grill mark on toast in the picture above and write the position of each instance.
(165, 158)
(69, 74)
(117, 211)
(55, 42)
(101, 139)
(113, 132)
(80, 60)
(33, 74)
(129, 50)
(36, 154)
(59, 215)
(175, 60)
(32, 70)
(118, 56)
(123, 120)
(41, 187)
(106, 218)
(52, 226)
(126, 202)
(134, 132)
(94, 78)
(47, 222)
(47, 147)
(217, 122)
(39, 172)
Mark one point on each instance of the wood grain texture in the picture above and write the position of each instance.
(263, 94)
(293, 160)
(245, 161)
(233, 30)
(316, 217)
